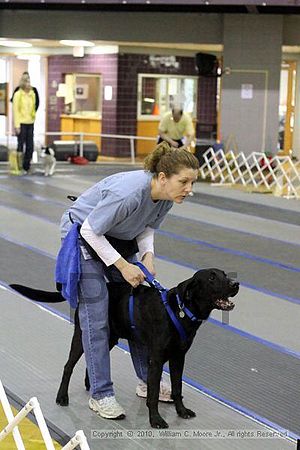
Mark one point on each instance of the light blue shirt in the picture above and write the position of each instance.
(119, 206)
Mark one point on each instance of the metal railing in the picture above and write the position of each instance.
(33, 405)
(278, 174)
(80, 139)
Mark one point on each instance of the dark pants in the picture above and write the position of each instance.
(25, 137)
(179, 141)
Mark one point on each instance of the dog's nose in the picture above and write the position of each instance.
(234, 284)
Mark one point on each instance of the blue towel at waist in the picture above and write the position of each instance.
(67, 270)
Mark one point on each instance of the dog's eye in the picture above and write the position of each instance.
(212, 277)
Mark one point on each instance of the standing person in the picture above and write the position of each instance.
(174, 126)
(127, 206)
(26, 77)
(24, 110)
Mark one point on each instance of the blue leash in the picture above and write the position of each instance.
(164, 296)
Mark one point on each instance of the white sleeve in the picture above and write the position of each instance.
(100, 244)
(145, 241)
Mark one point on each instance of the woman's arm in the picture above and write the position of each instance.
(100, 244)
(145, 242)
(131, 273)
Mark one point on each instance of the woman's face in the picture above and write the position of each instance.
(177, 187)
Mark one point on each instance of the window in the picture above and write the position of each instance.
(83, 94)
(157, 94)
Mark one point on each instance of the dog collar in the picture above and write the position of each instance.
(184, 311)
(164, 297)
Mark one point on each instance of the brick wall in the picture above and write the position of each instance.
(105, 65)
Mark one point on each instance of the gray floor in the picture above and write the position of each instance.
(249, 367)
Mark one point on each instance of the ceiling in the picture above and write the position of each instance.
(207, 6)
(52, 47)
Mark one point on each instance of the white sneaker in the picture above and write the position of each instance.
(107, 407)
(164, 391)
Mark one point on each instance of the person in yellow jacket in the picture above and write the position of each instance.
(24, 110)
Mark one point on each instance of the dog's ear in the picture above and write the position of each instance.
(184, 287)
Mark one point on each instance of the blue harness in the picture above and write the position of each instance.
(183, 310)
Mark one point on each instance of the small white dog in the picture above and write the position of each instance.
(48, 160)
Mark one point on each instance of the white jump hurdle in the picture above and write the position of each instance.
(33, 405)
(277, 174)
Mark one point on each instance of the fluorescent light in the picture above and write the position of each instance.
(75, 43)
(29, 56)
(16, 44)
(104, 49)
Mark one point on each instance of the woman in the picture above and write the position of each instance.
(25, 103)
(123, 206)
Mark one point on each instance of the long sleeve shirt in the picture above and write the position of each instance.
(24, 107)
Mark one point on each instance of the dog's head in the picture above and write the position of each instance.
(209, 289)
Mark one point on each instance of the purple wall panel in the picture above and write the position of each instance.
(105, 65)
(206, 107)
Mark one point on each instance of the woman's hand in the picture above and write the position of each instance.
(148, 261)
(130, 272)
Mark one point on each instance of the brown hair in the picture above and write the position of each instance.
(169, 160)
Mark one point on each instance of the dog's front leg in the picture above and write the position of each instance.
(176, 364)
(155, 368)
(75, 354)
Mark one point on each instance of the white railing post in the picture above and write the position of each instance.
(81, 144)
(9, 415)
(33, 405)
(78, 439)
(42, 423)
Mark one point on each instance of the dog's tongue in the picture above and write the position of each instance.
(224, 304)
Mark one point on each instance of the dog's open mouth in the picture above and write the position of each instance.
(224, 304)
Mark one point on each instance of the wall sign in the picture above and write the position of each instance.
(166, 61)
(247, 91)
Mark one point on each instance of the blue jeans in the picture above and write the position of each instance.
(93, 316)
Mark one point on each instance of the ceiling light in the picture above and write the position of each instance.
(16, 44)
(75, 43)
(104, 49)
(29, 57)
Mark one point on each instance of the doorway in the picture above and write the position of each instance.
(287, 107)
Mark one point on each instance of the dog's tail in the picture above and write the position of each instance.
(36, 294)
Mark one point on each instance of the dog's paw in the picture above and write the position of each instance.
(186, 413)
(158, 422)
(62, 400)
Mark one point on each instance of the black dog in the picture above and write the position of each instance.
(207, 290)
